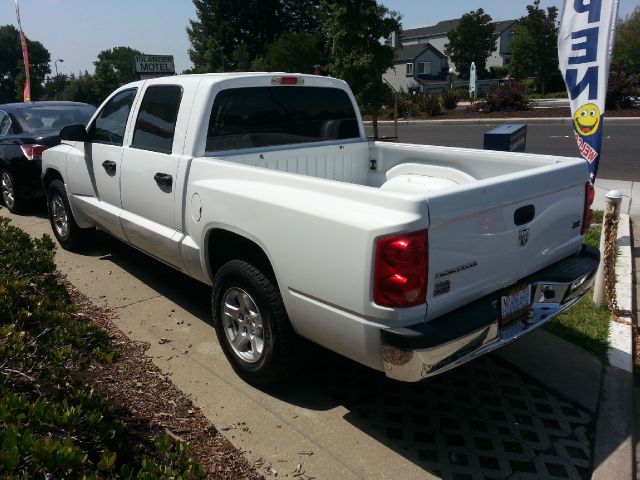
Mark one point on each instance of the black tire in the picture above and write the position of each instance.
(277, 360)
(72, 237)
(10, 192)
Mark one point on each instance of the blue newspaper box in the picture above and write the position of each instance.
(510, 137)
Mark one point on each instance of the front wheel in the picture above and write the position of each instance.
(66, 230)
(252, 325)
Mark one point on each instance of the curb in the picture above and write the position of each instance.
(490, 121)
(614, 446)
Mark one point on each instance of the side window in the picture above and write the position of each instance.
(111, 122)
(409, 69)
(156, 123)
(5, 124)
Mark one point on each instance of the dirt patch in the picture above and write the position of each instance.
(145, 398)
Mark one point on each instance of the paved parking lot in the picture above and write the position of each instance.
(483, 420)
(338, 420)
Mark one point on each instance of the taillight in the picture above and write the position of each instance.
(287, 81)
(400, 270)
(587, 215)
(33, 152)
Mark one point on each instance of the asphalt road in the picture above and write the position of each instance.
(620, 151)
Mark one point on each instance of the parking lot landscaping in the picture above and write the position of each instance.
(77, 398)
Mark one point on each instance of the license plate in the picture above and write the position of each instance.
(516, 304)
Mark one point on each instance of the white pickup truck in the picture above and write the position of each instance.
(409, 259)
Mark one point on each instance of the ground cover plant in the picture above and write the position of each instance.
(51, 424)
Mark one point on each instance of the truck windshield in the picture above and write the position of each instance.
(267, 116)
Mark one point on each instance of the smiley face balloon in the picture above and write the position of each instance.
(587, 119)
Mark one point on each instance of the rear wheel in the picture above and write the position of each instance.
(252, 325)
(9, 191)
(66, 230)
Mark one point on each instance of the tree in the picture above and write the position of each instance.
(471, 41)
(82, 89)
(302, 16)
(222, 25)
(292, 52)
(56, 84)
(535, 46)
(114, 67)
(626, 52)
(12, 75)
(241, 58)
(355, 28)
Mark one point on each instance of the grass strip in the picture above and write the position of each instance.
(584, 324)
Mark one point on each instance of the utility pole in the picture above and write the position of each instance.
(55, 65)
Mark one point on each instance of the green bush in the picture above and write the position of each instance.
(50, 425)
(450, 100)
(462, 93)
(430, 105)
(499, 71)
(510, 97)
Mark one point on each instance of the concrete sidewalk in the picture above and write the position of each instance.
(630, 195)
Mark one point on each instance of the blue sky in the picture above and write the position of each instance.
(76, 30)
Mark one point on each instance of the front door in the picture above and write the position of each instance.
(99, 159)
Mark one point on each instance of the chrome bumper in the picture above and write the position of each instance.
(414, 353)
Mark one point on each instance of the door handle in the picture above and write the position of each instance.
(109, 166)
(163, 179)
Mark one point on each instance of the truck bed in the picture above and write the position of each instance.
(472, 199)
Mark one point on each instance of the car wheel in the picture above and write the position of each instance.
(9, 191)
(66, 230)
(252, 324)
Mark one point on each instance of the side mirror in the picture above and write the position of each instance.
(74, 133)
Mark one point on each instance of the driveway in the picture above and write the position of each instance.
(338, 420)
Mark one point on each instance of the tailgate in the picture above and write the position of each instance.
(488, 235)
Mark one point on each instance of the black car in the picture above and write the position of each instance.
(26, 130)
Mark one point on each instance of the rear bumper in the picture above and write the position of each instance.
(412, 353)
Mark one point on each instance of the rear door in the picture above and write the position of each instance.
(150, 174)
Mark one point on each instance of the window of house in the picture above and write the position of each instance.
(424, 68)
(156, 123)
(111, 122)
(409, 69)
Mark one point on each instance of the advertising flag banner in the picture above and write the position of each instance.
(25, 56)
(585, 46)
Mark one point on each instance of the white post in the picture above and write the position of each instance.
(614, 200)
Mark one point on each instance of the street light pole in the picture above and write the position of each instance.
(55, 65)
(451, 78)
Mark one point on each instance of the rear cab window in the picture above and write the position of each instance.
(156, 123)
(252, 117)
